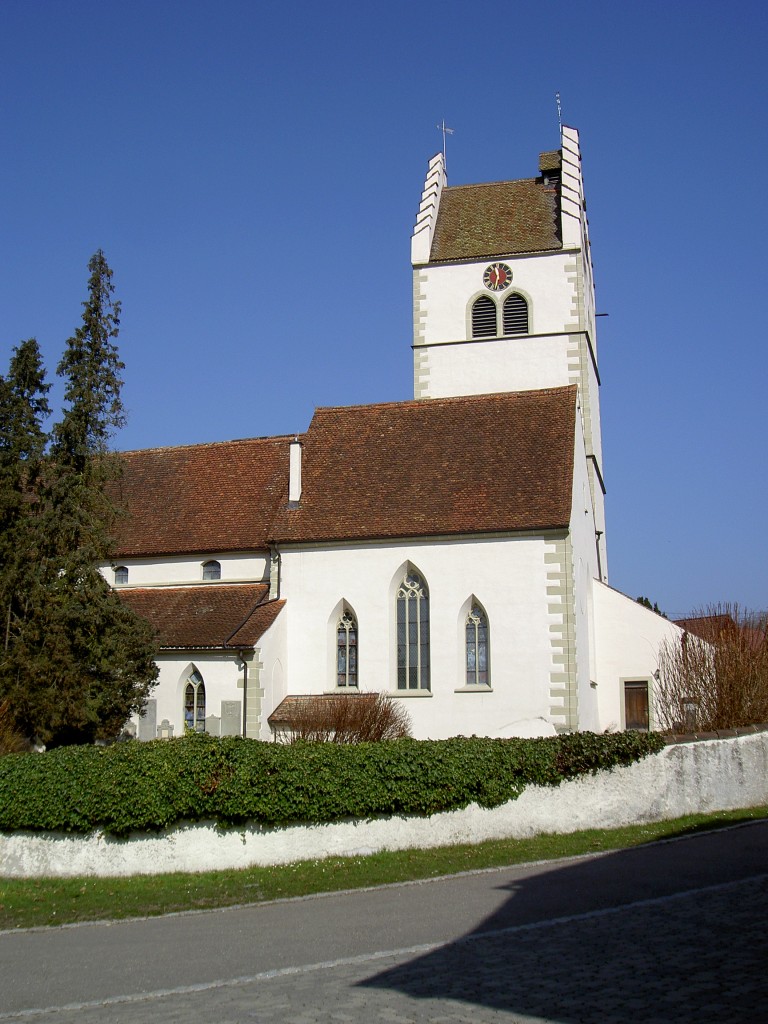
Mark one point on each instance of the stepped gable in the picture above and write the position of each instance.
(486, 463)
(216, 615)
(496, 219)
(200, 498)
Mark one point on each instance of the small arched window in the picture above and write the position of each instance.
(412, 633)
(121, 574)
(194, 703)
(477, 647)
(212, 570)
(346, 650)
(515, 314)
(484, 318)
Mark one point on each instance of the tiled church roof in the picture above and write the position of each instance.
(205, 616)
(487, 463)
(496, 219)
(205, 498)
(479, 464)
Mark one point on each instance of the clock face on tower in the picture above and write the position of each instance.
(497, 276)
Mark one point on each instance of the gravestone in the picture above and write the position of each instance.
(231, 718)
(148, 721)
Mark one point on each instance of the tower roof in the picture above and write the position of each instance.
(497, 219)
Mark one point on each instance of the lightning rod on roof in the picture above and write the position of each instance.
(559, 113)
(446, 131)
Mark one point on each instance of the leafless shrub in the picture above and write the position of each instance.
(715, 676)
(345, 718)
(11, 741)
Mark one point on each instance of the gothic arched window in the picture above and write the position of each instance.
(194, 703)
(212, 570)
(412, 633)
(515, 314)
(121, 574)
(484, 318)
(346, 650)
(477, 647)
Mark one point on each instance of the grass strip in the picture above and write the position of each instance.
(26, 903)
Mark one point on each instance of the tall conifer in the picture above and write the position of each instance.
(23, 412)
(81, 662)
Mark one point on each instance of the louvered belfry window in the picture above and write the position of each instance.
(484, 318)
(515, 315)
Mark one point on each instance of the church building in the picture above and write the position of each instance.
(449, 550)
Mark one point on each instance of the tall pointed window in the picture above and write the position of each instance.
(412, 633)
(515, 314)
(346, 650)
(477, 647)
(121, 574)
(484, 318)
(194, 703)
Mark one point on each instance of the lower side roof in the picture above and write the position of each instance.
(213, 615)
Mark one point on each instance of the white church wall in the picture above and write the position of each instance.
(186, 569)
(507, 576)
(223, 682)
(273, 683)
(447, 290)
(627, 641)
(495, 365)
(585, 569)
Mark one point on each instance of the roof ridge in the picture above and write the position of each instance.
(418, 403)
(485, 184)
(210, 444)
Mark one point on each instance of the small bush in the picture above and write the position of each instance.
(149, 786)
(715, 674)
(346, 718)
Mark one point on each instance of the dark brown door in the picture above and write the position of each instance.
(636, 705)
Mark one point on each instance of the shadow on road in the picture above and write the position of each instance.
(618, 938)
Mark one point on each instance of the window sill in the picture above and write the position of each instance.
(474, 689)
(410, 693)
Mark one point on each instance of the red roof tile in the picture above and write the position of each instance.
(216, 615)
(487, 463)
(496, 219)
(201, 498)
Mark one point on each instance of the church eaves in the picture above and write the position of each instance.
(487, 463)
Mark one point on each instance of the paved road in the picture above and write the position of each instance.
(675, 932)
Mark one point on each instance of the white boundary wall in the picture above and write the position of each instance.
(683, 779)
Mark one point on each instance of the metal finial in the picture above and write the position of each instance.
(559, 113)
(446, 131)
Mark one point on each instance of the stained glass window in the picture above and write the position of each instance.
(194, 703)
(412, 634)
(346, 650)
(477, 647)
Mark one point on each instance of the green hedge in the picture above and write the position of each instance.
(148, 786)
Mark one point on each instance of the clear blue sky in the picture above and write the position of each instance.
(252, 171)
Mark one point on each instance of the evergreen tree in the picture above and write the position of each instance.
(81, 662)
(23, 411)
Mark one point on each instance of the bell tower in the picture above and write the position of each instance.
(503, 293)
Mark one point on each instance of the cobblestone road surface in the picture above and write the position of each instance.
(698, 956)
